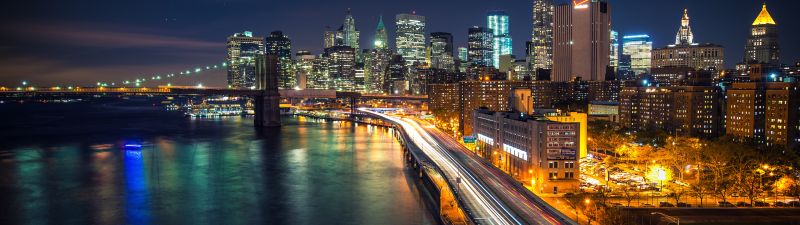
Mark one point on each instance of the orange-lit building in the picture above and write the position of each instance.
(534, 150)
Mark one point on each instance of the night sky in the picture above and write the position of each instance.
(81, 42)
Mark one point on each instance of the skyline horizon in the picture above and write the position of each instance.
(98, 38)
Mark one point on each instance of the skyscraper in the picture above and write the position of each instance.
(329, 38)
(381, 38)
(280, 45)
(304, 68)
(376, 66)
(542, 35)
(341, 67)
(762, 45)
(480, 46)
(348, 33)
(501, 43)
(640, 48)
(410, 38)
(581, 34)
(684, 35)
(685, 53)
(441, 46)
(242, 51)
(614, 50)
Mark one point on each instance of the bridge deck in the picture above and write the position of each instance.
(162, 90)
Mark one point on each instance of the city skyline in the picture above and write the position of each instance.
(78, 51)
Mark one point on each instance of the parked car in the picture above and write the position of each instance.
(665, 204)
(684, 204)
(743, 204)
(647, 206)
(793, 203)
(761, 204)
(725, 204)
(781, 204)
(617, 205)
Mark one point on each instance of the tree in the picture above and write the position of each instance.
(629, 193)
(677, 193)
(700, 190)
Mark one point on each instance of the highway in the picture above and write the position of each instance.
(489, 197)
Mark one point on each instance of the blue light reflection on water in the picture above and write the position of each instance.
(136, 193)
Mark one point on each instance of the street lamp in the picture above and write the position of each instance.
(670, 218)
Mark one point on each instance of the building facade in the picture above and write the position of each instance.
(765, 113)
(410, 38)
(441, 48)
(498, 22)
(640, 48)
(542, 35)
(534, 150)
(480, 42)
(280, 45)
(242, 49)
(762, 45)
(581, 40)
(684, 110)
(341, 67)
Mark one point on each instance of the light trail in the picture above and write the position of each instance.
(478, 199)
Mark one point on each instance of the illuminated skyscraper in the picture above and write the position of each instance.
(348, 33)
(498, 22)
(581, 40)
(640, 48)
(381, 38)
(329, 38)
(542, 35)
(480, 46)
(304, 67)
(341, 67)
(762, 45)
(614, 50)
(280, 45)
(441, 46)
(242, 51)
(684, 35)
(685, 53)
(410, 38)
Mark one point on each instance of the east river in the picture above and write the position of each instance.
(66, 164)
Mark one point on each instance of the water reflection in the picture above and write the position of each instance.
(215, 171)
(136, 194)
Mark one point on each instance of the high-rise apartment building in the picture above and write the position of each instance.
(581, 40)
(410, 38)
(763, 112)
(762, 45)
(280, 45)
(498, 22)
(640, 48)
(684, 110)
(480, 42)
(542, 35)
(242, 50)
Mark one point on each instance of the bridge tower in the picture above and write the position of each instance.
(267, 104)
